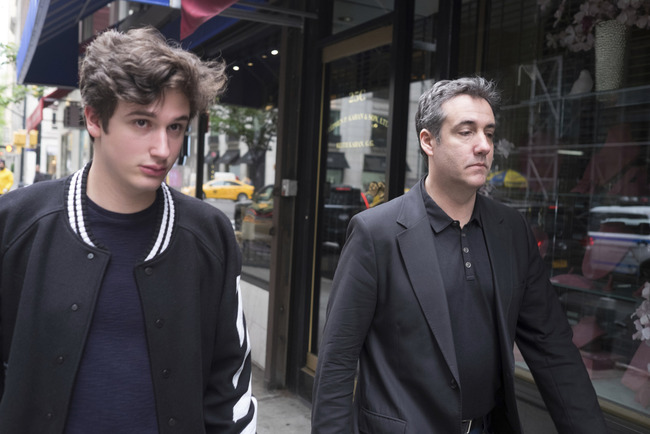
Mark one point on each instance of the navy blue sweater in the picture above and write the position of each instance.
(113, 391)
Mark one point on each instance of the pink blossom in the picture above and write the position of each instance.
(578, 36)
(642, 314)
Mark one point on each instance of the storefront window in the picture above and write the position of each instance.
(572, 155)
(239, 172)
(423, 71)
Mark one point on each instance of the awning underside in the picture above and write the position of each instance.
(45, 55)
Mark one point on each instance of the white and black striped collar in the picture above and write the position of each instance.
(76, 210)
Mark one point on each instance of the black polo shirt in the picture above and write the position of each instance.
(467, 276)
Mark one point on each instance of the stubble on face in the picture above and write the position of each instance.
(462, 156)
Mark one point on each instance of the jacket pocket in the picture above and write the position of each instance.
(374, 423)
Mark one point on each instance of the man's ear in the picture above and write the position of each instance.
(427, 141)
(93, 122)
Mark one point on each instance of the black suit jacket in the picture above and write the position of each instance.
(388, 312)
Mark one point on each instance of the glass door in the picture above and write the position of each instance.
(353, 171)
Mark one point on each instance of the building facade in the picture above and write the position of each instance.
(572, 155)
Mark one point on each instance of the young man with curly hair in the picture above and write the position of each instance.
(120, 309)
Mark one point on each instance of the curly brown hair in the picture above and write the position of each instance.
(137, 66)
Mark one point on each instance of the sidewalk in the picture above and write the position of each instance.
(279, 411)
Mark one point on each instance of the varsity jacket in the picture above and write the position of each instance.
(51, 270)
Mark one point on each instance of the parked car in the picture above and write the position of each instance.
(619, 242)
(254, 227)
(257, 217)
(224, 189)
(341, 204)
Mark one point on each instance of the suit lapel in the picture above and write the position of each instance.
(424, 273)
(498, 239)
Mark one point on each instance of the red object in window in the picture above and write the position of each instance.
(365, 200)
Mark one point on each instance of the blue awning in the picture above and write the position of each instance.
(49, 46)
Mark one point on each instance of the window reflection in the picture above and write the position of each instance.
(573, 159)
(239, 169)
(355, 167)
(257, 228)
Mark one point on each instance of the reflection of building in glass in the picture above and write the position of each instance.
(358, 131)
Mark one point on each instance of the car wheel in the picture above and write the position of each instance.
(241, 197)
(203, 195)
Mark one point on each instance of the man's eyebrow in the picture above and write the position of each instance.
(145, 113)
(150, 114)
(472, 123)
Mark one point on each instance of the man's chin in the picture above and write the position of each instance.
(150, 183)
(478, 182)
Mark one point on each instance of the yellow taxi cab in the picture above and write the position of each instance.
(224, 189)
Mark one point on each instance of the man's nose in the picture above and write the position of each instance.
(484, 144)
(160, 144)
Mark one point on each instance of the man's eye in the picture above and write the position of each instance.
(175, 127)
(141, 122)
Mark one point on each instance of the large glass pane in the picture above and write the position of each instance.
(423, 75)
(239, 172)
(572, 155)
(356, 139)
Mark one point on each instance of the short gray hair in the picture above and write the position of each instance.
(430, 114)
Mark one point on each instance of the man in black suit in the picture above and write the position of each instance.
(433, 289)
